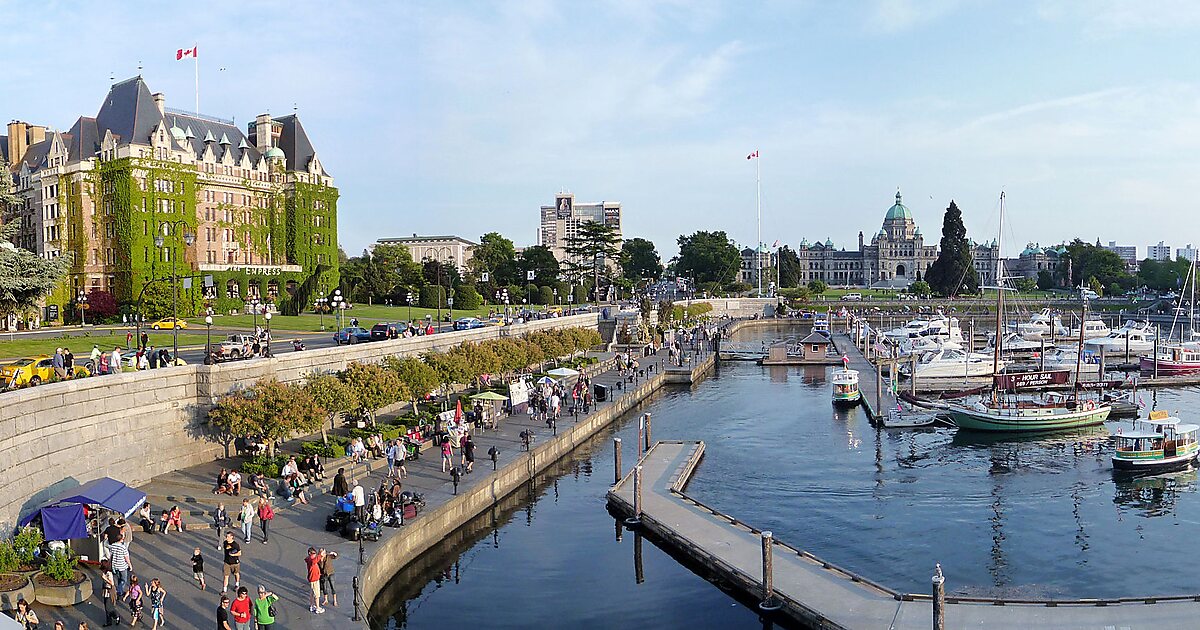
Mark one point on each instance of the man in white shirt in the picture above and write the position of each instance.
(360, 500)
(114, 361)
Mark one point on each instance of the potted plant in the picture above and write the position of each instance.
(59, 583)
(13, 586)
(25, 545)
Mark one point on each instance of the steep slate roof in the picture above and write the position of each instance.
(295, 144)
(83, 140)
(202, 126)
(35, 155)
(129, 112)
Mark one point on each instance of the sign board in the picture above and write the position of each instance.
(483, 277)
(529, 276)
(1031, 379)
(208, 281)
(51, 312)
(518, 395)
(563, 207)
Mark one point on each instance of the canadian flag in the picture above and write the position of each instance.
(184, 53)
(752, 155)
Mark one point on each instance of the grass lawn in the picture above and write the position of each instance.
(310, 322)
(82, 345)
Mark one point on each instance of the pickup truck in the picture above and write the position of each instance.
(233, 347)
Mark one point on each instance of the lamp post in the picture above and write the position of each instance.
(320, 305)
(267, 317)
(338, 304)
(159, 242)
(450, 303)
(342, 314)
(409, 298)
(82, 300)
(208, 343)
(253, 304)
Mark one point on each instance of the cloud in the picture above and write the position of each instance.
(895, 16)
(1107, 18)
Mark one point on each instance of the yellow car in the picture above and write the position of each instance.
(169, 323)
(33, 371)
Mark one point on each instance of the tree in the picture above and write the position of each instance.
(1025, 284)
(708, 257)
(374, 387)
(331, 394)
(1083, 261)
(789, 268)
(817, 287)
(466, 297)
(639, 259)
(270, 410)
(541, 261)
(1094, 284)
(920, 287)
(387, 267)
(545, 295)
(101, 305)
(1045, 280)
(437, 272)
(432, 296)
(25, 277)
(496, 256)
(590, 248)
(953, 272)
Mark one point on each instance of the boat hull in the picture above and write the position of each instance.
(1169, 367)
(1166, 464)
(848, 400)
(998, 422)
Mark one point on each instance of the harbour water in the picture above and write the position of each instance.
(1034, 517)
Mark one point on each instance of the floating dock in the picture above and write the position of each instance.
(820, 594)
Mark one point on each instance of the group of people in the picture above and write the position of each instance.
(63, 362)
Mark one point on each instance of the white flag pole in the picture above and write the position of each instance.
(196, 58)
(758, 207)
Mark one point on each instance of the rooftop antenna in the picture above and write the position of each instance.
(295, 108)
(139, 67)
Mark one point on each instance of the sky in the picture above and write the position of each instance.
(464, 117)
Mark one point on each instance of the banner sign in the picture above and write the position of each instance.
(1032, 379)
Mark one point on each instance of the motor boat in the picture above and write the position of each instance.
(949, 362)
(1042, 324)
(1160, 443)
(1136, 337)
(1013, 342)
(1092, 329)
(910, 330)
(1067, 358)
(845, 387)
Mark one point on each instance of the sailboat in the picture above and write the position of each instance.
(1182, 356)
(1049, 412)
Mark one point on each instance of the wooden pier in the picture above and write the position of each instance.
(820, 594)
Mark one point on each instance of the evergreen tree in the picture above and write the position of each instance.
(639, 260)
(589, 249)
(952, 273)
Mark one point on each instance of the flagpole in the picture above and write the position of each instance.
(758, 209)
(196, 58)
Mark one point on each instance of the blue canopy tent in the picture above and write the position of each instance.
(62, 517)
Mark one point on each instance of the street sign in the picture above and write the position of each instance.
(529, 275)
(208, 281)
(483, 277)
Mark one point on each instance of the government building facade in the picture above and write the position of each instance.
(141, 193)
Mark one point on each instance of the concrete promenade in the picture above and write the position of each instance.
(821, 595)
(279, 564)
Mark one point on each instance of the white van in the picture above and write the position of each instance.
(852, 297)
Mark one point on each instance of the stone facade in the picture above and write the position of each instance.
(137, 425)
(447, 249)
(560, 221)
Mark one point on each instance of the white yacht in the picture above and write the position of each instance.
(1133, 336)
(934, 333)
(910, 330)
(1066, 359)
(1040, 325)
(1092, 329)
(950, 362)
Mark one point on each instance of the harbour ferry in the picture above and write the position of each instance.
(1158, 444)
(845, 385)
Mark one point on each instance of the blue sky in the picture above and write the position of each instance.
(464, 117)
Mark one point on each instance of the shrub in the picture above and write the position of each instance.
(332, 449)
(265, 464)
(25, 544)
(466, 297)
(60, 566)
(433, 296)
(8, 557)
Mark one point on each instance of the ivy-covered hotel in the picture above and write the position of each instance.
(259, 207)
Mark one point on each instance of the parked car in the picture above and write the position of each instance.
(33, 371)
(852, 297)
(468, 323)
(386, 330)
(169, 323)
(351, 334)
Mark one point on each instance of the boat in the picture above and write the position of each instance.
(1068, 358)
(1042, 324)
(1006, 410)
(899, 417)
(912, 329)
(1160, 443)
(1134, 337)
(1180, 357)
(1092, 329)
(949, 361)
(1016, 344)
(845, 387)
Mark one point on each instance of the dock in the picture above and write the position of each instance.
(820, 594)
(876, 394)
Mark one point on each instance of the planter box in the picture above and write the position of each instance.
(8, 599)
(50, 595)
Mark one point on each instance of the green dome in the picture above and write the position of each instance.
(803, 243)
(275, 152)
(898, 211)
(828, 242)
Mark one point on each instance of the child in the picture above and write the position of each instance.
(220, 517)
(134, 597)
(198, 567)
(157, 595)
(163, 522)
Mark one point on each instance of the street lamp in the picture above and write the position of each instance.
(320, 306)
(338, 303)
(409, 299)
(342, 314)
(208, 343)
(82, 300)
(159, 242)
(253, 304)
(268, 318)
(450, 303)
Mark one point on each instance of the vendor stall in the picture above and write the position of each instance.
(66, 516)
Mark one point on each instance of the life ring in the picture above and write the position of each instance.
(1089, 405)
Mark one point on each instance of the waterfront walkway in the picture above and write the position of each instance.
(279, 565)
(821, 594)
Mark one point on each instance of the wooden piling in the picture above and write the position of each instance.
(878, 388)
(648, 440)
(912, 376)
(939, 599)
(636, 519)
(617, 460)
(769, 601)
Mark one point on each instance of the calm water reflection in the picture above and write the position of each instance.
(1032, 517)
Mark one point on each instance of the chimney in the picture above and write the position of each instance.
(37, 133)
(160, 101)
(16, 141)
(262, 132)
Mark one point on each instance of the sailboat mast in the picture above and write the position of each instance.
(1079, 355)
(999, 291)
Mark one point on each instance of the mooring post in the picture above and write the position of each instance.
(636, 519)
(357, 598)
(641, 448)
(617, 460)
(1100, 377)
(939, 598)
(648, 440)
(878, 388)
(769, 601)
(912, 376)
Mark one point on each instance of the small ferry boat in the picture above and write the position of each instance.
(1174, 359)
(845, 387)
(1158, 444)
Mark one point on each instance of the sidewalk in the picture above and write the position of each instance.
(279, 565)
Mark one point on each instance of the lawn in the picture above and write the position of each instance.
(82, 345)
(310, 322)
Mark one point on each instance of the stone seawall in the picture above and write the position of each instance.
(137, 425)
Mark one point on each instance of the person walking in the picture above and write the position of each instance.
(108, 593)
(340, 487)
(313, 564)
(447, 453)
(114, 361)
(198, 567)
(468, 450)
(246, 518)
(391, 453)
(157, 596)
(232, 559)
(134, 598)
(264, 608)
(326, 566)
(239, 609)
(265, 515)
(118, 555)
(223, 614)
(401, 457)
